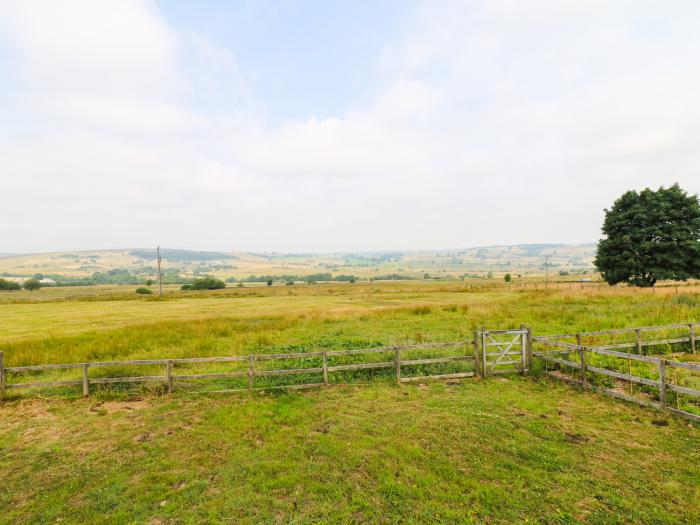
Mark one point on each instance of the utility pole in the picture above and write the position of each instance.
(160, 276)
(546, 274)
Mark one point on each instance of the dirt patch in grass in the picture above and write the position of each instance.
(120, 406)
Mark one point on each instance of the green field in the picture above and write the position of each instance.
(510, 450)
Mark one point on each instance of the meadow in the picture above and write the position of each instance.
(501, 450)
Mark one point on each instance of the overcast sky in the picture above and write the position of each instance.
(337, 126)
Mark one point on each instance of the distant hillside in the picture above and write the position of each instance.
(135, 265)
(181, 255)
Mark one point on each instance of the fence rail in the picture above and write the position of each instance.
(583, 359)
(169, 376)
(489, 352)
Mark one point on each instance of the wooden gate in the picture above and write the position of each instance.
(504, 351)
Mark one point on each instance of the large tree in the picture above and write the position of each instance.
(649, 236)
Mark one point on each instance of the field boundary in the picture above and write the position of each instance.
(488, 352)
(169, 377)
(597, 362)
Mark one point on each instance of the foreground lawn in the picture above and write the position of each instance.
(497, 451)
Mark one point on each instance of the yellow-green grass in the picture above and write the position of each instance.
(300, 319)
(496, 451)
(233, 321)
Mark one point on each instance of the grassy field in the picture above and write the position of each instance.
(516, 450)
(496, 451)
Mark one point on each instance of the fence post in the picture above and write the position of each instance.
(398, 365)
(477, 355)
(662, 383)
(692, 338)
(639, 341)
(523, 347)
(169, 375)
(484, 368)
(251, 359)
(2, 375)
(325, 368)
(86, 381)
(582, 358)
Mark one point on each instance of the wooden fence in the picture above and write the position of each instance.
(479, 352)
(596, 357)
(253, 367)
(656, 355)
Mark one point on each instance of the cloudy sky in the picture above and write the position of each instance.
(297, 125)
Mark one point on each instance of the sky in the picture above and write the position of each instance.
(297, 126)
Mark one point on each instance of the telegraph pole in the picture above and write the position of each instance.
(546, 274)
(160, 276)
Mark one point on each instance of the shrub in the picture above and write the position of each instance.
(289, 283)
(143, 291)
(207, 283)
(269, 282)
(687, 300)
(421, 310)
(31, 284)
(149, 282)
(507, 278)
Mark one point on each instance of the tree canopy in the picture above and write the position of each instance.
(651, 236)
(205, 283)
(31, 284)
(9, 285)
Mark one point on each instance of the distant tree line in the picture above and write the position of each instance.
(181, 255)
(284, 277)
(30, 284)
(114, 276)
(9, 285)
(205, 283)
(392, 277)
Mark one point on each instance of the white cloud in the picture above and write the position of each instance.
(496, 121)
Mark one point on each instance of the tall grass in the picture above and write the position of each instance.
(71, 331)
